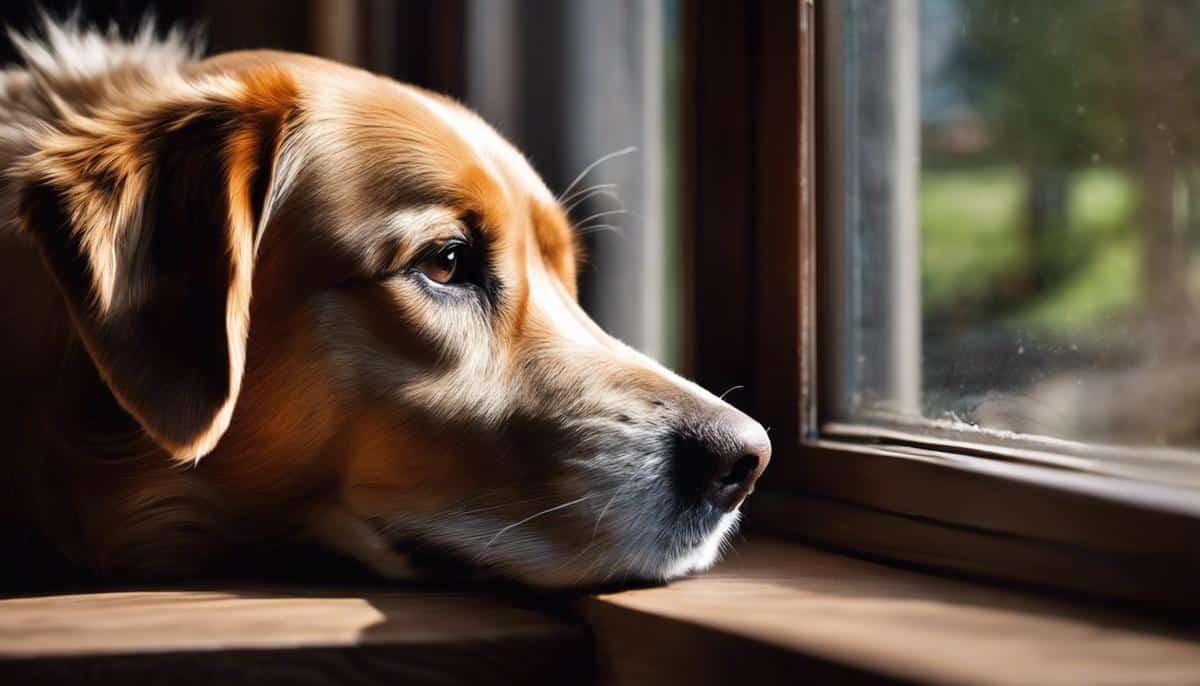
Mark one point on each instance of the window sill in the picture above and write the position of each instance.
(286, 635)
(773, 612)
(779, 611)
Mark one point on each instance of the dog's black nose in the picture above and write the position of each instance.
(718, 461)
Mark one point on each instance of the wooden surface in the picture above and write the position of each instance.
(772, 613)
(783, 613)
(302, 635)
(716, 147)
(1129, 541)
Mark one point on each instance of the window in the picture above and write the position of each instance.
(1017, 258)
(972, 352)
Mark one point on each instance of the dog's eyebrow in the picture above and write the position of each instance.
(403, 234)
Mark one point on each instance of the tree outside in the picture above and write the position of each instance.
(1060, 212)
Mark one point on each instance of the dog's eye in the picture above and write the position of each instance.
(454, 268)
(445, 265)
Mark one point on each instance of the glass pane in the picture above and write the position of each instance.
(1020, 197)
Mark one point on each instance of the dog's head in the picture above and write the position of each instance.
(339, 285)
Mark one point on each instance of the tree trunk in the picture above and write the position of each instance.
(1046, 215)
(1164, 254)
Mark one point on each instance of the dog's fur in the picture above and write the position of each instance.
(218, 334)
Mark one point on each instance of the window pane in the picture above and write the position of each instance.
(1020, 204)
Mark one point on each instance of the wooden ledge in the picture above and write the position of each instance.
(772, 613)
(259, 636)
(781, 612)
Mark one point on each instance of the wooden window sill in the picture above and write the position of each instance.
(359, 635)
(775, 612)
(782, 612)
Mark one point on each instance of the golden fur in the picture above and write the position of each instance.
(219, 338)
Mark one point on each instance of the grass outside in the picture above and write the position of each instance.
(972, 245)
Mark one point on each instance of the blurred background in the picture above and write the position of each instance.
(1021, 198)
(568, 81)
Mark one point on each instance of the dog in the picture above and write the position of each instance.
(265, 297)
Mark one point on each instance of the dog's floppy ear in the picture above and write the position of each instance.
(149, 217)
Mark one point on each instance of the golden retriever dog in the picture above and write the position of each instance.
(264, 297)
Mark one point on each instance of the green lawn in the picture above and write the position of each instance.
(968, 233)
(972, 245)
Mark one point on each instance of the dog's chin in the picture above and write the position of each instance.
(634, 558)
(671, 557)
(707, 553)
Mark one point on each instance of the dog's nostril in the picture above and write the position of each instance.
(741, 469)
(719, 461)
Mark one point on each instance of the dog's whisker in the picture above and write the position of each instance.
(596, 528)
(593, 165)
(531, 517)
(490, 508)
(604, 511)
(596, 228)
(585, 192)
(599, 215)
(729, 390)
(637, 473)
(599, 192)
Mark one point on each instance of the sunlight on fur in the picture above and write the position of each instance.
(268, 298)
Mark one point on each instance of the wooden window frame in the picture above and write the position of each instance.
(757, 138)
